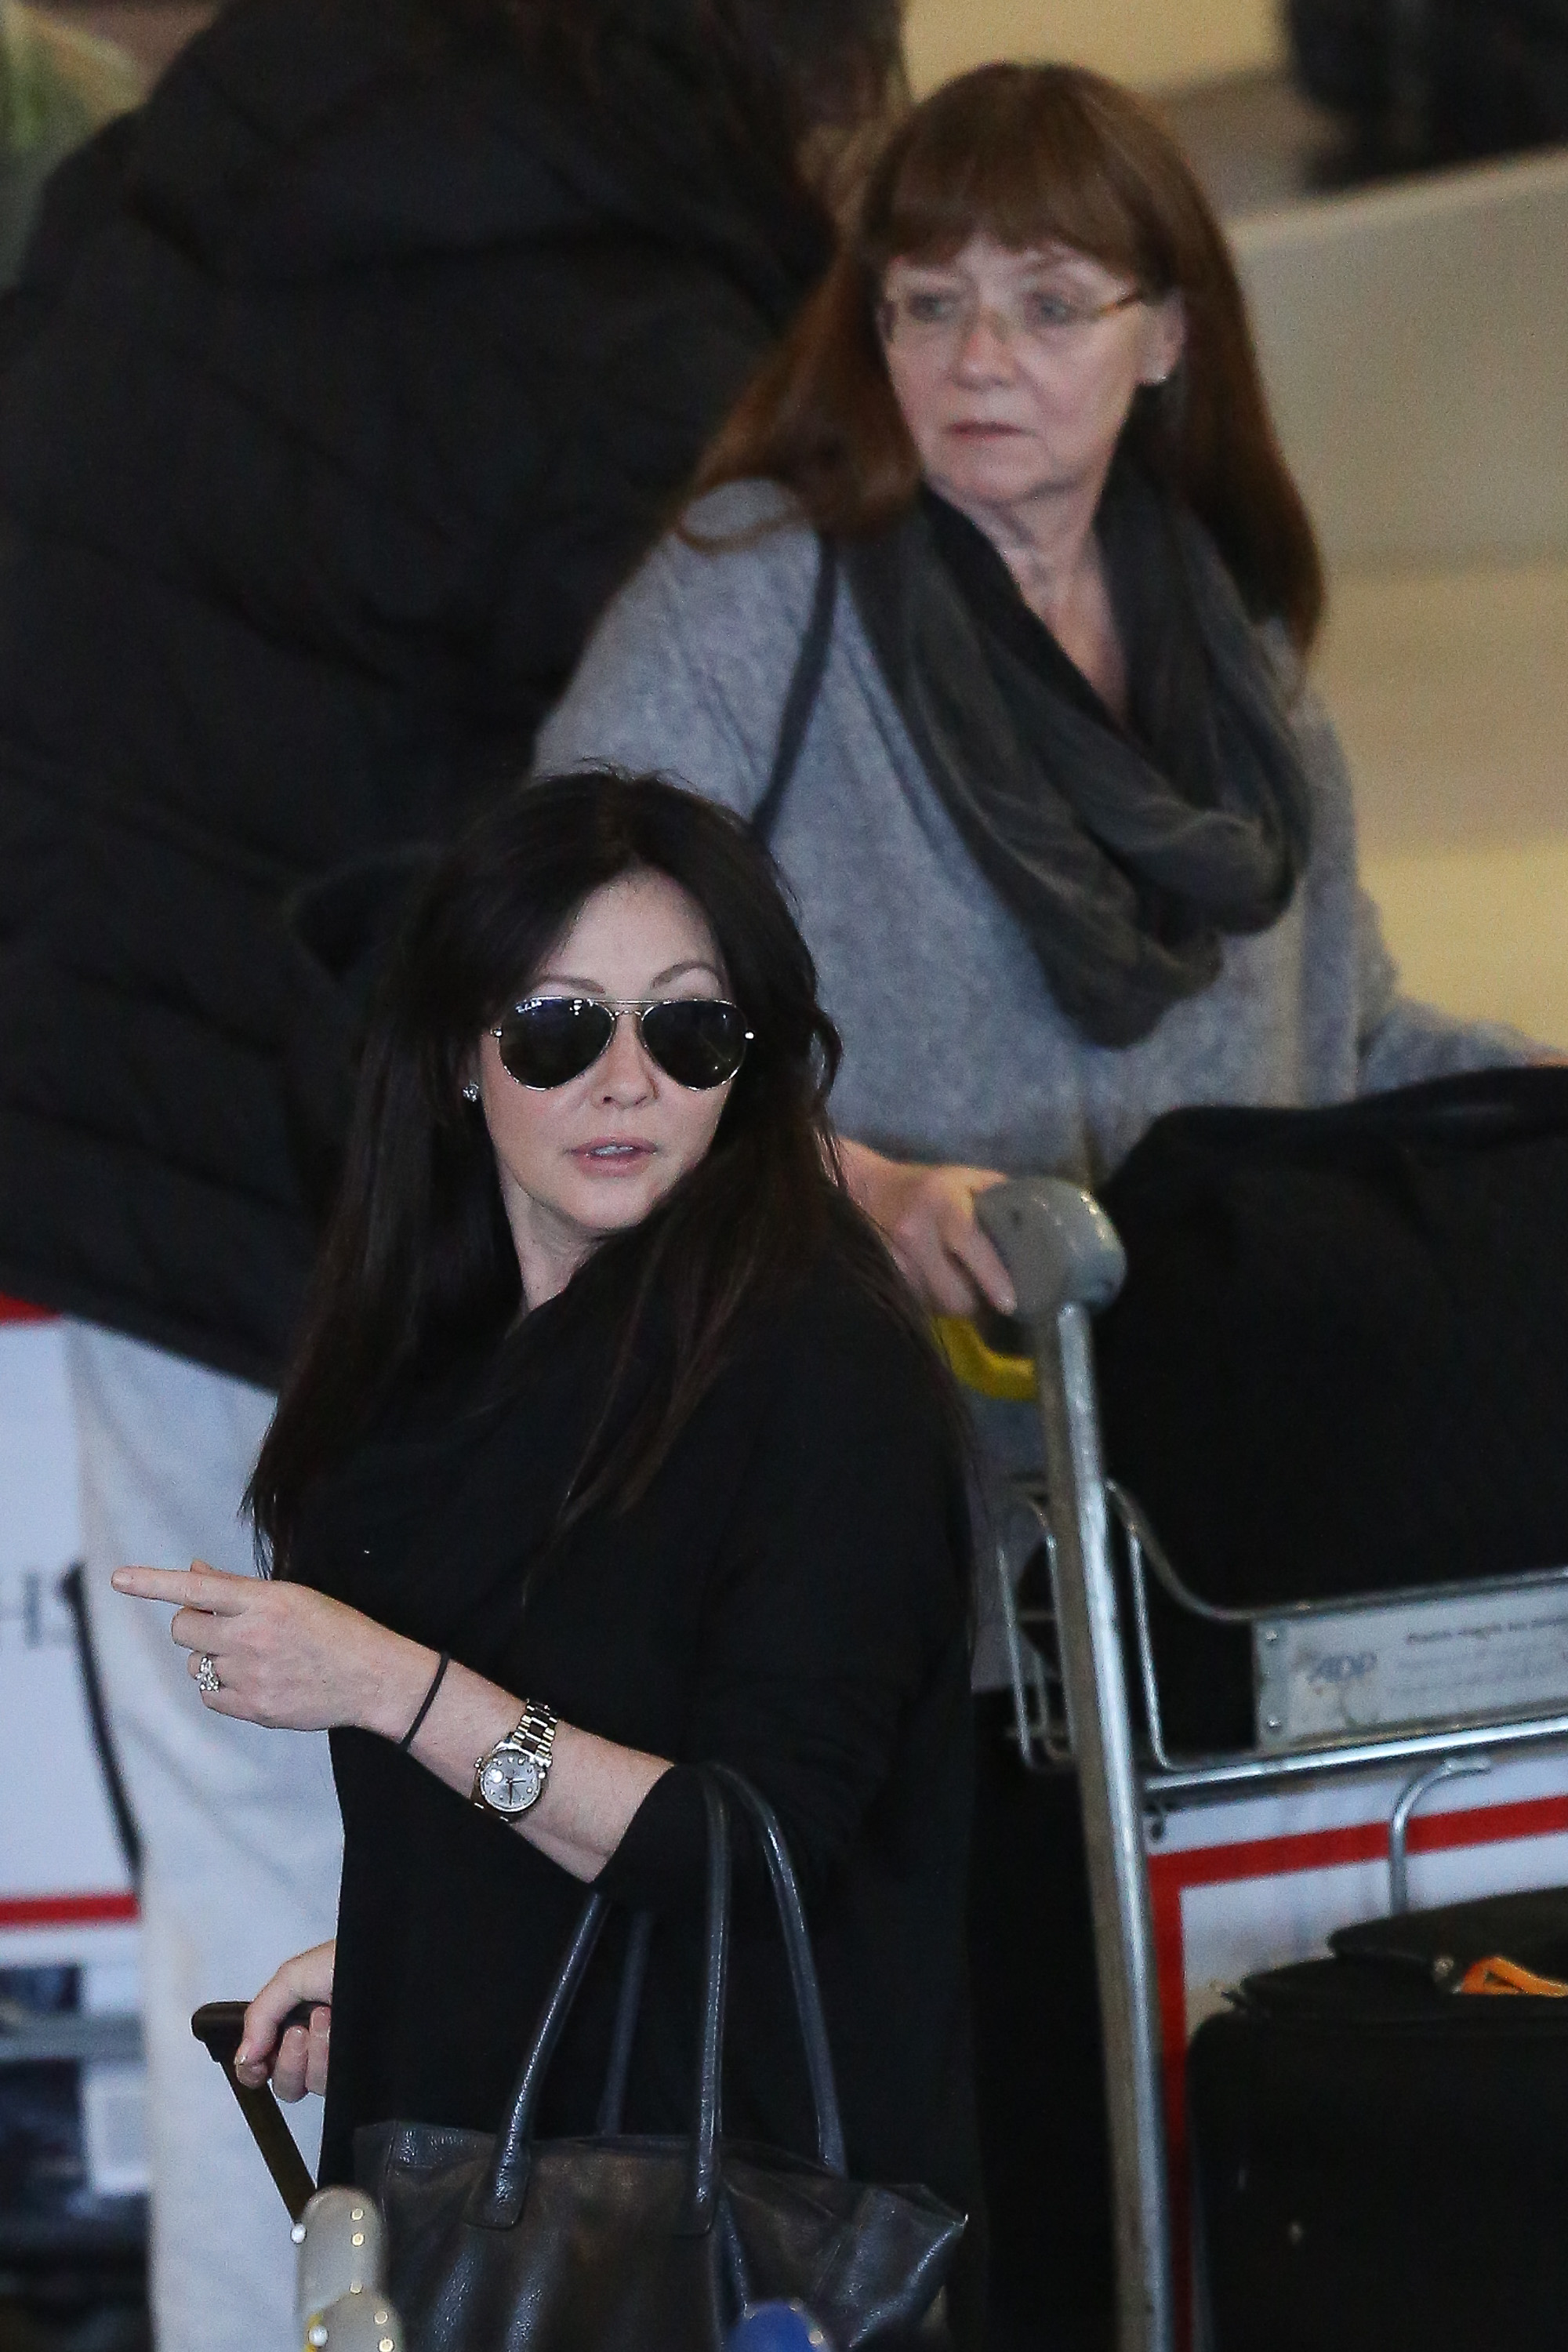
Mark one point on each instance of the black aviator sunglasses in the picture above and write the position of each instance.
(547, 1041)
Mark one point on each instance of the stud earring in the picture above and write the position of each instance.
(471, 1092)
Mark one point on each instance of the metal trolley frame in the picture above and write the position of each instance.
(1067, 1264)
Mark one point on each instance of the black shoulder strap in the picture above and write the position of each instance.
(809, 665)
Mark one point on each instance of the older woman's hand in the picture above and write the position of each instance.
(295, 2061)
(281, 1654)
(927, 1218)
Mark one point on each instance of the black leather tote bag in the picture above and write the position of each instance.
(625, 2243)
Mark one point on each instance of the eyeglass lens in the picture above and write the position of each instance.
(1040, 314)
(697, 1041)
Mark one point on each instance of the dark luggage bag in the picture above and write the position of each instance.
(1377, 2158)
(1339, 1365)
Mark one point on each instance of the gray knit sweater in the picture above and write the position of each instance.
(954, 1048)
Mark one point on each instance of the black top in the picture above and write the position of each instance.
(346, 380)
(790, 1597)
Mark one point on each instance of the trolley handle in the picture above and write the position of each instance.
(218, 2026)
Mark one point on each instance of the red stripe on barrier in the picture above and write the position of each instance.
(17, 1310)
(1171, 1981)
(1360, 1842)
(65, 1910)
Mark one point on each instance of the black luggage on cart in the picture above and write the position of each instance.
(1378, 2157)
(1339, 1364)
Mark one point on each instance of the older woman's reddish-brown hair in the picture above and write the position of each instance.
(1033, 156)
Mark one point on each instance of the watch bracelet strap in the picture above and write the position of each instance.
(534, 1734)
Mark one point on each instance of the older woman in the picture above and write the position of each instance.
(1072, 840)
(995, 617)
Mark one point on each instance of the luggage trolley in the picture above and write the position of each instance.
(1067, 1264)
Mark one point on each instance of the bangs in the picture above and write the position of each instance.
(1027, 157)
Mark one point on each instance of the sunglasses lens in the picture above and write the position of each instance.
(554, 1039)
(697, 1041)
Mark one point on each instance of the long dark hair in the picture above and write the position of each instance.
(418, 1266)
(1034, 155)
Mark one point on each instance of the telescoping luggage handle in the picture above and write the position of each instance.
(1067, 1263)
(498, 2199)
(218, 2025)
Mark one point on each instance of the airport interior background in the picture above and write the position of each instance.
(1415, 335)
(1413, 329)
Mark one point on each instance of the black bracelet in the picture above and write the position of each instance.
(425, 1704)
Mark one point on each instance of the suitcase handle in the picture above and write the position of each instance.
(218, 2025)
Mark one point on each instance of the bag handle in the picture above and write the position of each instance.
(803, 1985)
(702, 2185)
(612, 2102)
(497, 2202)
(810, 663)
(498, 2199)
(804, 1981)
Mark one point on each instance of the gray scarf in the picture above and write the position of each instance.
(1126, 854)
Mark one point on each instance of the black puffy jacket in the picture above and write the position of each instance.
(344, 384)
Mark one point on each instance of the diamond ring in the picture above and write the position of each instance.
(206, 1673)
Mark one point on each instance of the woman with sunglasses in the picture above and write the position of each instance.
(615, 1445)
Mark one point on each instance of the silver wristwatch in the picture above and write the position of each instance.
(512, 1776)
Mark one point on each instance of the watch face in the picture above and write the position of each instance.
(510, 1781)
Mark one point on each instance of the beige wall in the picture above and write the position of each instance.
(1415, 342)
(1156, 44)
(1415, 339)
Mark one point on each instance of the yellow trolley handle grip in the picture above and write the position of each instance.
(1009, 1378)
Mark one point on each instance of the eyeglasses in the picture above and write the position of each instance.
(547, 1041)
(937, 315)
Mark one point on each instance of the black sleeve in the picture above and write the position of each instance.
(81, 194)
(841, 1598)
(80, 197)
(647, 350)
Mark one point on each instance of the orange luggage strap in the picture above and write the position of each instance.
(1499, 1975)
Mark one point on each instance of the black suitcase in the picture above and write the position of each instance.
(1378, 2158)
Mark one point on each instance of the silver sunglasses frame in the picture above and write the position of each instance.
(640, 1007)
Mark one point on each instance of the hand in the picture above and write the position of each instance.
(286, 1656)
(927, 1217)
(299, 2062)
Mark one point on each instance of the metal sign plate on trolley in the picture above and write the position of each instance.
(1498, 1649)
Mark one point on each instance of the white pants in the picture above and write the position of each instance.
(241, 1840)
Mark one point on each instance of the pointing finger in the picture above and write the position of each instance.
(188, 1588)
